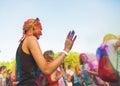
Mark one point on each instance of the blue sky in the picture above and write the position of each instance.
(91, 20)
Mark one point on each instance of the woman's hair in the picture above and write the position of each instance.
(30, 23)
(109, 37)
(77, 69)
(48, 55)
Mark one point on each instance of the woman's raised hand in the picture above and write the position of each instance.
(71, 37)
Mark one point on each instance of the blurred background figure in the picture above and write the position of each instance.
(69, 74)
(55, 78)
(77, 76)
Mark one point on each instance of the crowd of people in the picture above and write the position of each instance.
(31, 62)
(81, 74)
(5, 76)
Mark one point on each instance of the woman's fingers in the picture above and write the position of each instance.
(71, 35)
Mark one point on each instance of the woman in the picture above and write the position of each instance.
(113, 43)
(29, 55)
(88, 81)
(77, 77)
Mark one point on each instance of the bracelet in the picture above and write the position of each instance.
(65, 52)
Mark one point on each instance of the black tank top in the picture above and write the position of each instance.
(27, 69)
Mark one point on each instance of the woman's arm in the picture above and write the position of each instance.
(34, 47)
(91, 72)
(13, 75)
(55, 76)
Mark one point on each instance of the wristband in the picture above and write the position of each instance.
(65, 52)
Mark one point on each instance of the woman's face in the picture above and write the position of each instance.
(37, 29)
(84, 58)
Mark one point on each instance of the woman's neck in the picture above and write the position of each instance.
(27, 35)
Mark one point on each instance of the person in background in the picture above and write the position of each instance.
(62, 81)
(1, 76)
(57, 74)
(96, 79)
(77, 76)
(69, 74)
(113, 42)
(88, 81)
(3, 72)
(13, 77)
(29, 56)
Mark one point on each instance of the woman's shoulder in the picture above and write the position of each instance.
(30, 41)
